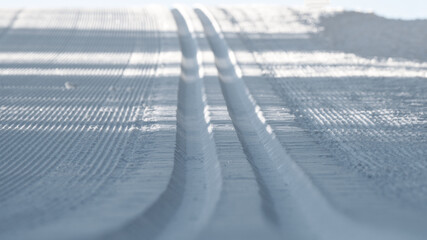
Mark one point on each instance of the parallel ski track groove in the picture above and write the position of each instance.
(350, 129)
(278, 168)
(195, 184)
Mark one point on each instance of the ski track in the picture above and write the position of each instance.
(239, 180)
(209, 123)
(269, 156)
(343, 186)
(195, 184)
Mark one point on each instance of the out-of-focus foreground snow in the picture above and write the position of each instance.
(212, 123)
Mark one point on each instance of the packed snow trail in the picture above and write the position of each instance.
(247, 122)
(238, 178)
(84, 143)
(273, 165)
(192, 193)
(357, 196)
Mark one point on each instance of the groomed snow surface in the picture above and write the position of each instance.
(202, 123)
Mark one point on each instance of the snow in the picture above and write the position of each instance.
(369, 35)
(253, 122)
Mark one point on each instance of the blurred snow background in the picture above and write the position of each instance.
(409, 9)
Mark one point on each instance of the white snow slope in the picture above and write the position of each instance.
(248, 122)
